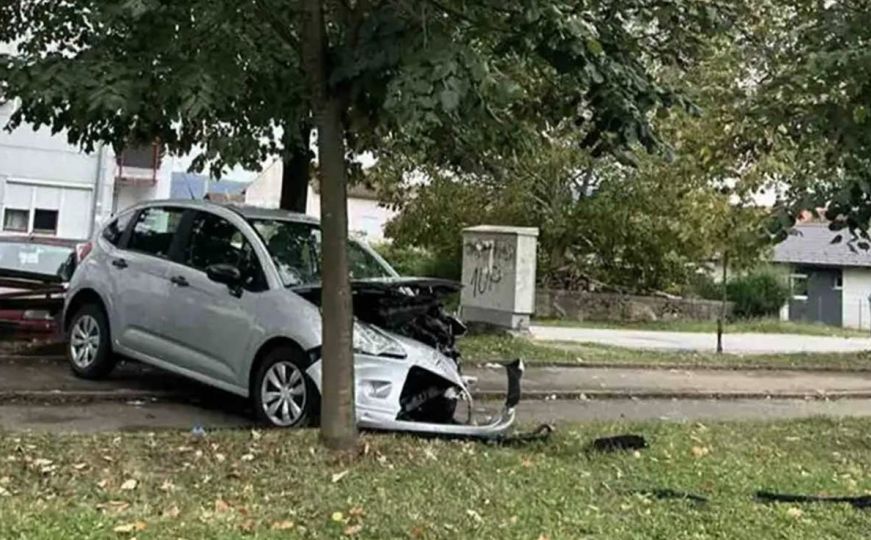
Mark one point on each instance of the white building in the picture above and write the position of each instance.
(366, 217)
(48, 187)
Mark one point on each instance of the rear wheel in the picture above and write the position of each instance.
(90, 349)
(283, 395)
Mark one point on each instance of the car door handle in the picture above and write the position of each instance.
(119, 263)
(180, 281)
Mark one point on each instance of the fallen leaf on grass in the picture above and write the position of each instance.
(353, 529)
(4, 492)
(357, 511)
(221, 506)
(136, 526)
(5, 480)
(475, 515)
(338, 476)
(248, 457)
(167, 486)
(80, 466)
(129, 485)
(543, 537)
(337, 516)
(114, 507)
(701, 451)
(220, 458)
(42, 462)
(172, 513)
(794, 512)
(282, 525)
(102, 484)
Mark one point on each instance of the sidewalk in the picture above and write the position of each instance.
(692, 341)
(49, 379)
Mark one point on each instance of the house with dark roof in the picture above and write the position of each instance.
(830, 283)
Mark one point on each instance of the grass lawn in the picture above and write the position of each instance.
(281, 485)
(479, 349)
(753, 326)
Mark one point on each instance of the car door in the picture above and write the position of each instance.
(212, 323)
(141, 289)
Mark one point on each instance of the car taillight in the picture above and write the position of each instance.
(83, 250)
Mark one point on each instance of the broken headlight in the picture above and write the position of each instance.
(370, 340)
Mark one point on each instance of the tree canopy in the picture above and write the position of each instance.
(448, 84)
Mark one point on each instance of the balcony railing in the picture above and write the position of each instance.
(139, 165)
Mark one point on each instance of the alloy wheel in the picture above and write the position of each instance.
(283, 394)
(85, 341)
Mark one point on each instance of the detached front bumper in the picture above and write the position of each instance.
(495, 428)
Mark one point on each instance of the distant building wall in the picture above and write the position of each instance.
(580, 306)
(857, 287)
(366, 217)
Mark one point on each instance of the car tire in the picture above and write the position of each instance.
(283, 395)
(89, 346)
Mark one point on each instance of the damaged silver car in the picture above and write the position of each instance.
(229, 296)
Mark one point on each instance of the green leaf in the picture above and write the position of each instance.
(594, 46)
(450, 99)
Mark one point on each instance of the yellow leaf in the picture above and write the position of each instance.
(282, 525)
(102, 484)
(794, 512)
(338, 516)
(80, 466)
(131, 527)
(129, 485)
(221, 506)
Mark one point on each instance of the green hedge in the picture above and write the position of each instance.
(760, 293)
(416, 262)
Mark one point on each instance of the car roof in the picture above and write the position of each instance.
(248, 212)
(43, 240)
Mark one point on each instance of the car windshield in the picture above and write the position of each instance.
(296, 249)
(35, 258)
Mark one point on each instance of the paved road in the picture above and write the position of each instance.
(147, 416)
(690, 341)
(51, 377)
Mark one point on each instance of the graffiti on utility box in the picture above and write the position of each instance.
(490, 259)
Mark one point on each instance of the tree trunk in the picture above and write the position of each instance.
(295, 171)
(338, 418)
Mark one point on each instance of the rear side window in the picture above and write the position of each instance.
(215, 240)
(114, 231)
(154, 231)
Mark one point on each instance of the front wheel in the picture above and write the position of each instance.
(283, 395)
(90, 349)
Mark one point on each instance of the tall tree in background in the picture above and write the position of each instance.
(430, 79)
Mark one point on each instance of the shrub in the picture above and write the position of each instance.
(417, 262)
(760, 293)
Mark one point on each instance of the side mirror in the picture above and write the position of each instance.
(224, 273)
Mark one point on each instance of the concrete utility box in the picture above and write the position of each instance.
(499, 275)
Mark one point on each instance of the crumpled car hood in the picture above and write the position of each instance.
(411, 307)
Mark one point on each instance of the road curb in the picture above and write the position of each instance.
(122, 396)
(531, 365)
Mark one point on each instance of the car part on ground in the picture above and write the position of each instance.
(862, 502)
(619, 442)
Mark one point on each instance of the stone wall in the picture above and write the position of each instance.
(571, 305)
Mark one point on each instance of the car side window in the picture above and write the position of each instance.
(154, 231)
(214, 240)
(114, 231)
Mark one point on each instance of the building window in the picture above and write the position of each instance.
(798, 286)
(45, 221)
(16, 220)
(839, 282)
